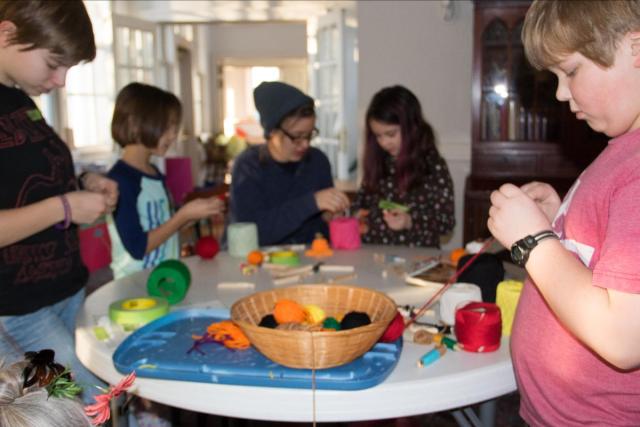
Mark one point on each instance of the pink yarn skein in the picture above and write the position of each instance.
(344, 233)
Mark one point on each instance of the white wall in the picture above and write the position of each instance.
(410, 43)
(250, 40)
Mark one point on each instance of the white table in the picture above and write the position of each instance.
(457, 380)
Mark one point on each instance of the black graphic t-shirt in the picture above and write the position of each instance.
(35, 164)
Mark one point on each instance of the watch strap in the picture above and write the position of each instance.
(544, 235)
(525, 245)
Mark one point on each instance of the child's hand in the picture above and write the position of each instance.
(396, 219)
(97, 183)
(545, 197)
(332, 200)
(202, 208)
(87, 206)
(514, 215)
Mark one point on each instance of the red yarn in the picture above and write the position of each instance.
(394, 330)
(207, 247)
(479, 327)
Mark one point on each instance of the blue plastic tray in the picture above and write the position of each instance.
(159, 350)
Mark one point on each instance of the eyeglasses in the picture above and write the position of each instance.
(298, 140)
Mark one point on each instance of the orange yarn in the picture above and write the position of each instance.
(456, 254)
(229, 334)
(255, 257)
(319, 247)
(287, 311)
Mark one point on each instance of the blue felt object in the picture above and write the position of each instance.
(159, 350)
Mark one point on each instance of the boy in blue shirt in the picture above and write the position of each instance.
(143, 228)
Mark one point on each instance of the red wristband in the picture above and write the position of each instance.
(67, 214)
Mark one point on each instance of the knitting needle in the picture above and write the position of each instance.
(293, 271)
(287, 280)
(428, 266)
(342, 277)
(337, 268)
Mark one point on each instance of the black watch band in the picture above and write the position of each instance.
(521, 249)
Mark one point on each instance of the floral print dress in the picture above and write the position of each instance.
(430, 202)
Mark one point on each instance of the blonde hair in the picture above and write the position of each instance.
(555, 28)
(32, 406)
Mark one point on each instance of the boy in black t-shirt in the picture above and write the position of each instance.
(41, 273)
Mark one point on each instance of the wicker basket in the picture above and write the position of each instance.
(315, 350)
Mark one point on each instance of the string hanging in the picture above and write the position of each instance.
(449, 283)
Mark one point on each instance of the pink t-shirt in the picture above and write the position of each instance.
(562, 382)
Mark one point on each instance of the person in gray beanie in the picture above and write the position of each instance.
(284, 186)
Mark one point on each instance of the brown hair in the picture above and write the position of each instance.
(63, 27)
(301, 112)
(143, 113)
(553, 29)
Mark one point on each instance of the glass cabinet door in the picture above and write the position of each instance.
(517, 102)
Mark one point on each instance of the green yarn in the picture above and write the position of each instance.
(331, 323)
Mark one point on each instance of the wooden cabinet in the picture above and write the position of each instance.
(520, 132)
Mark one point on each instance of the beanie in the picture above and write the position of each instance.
(274, 100)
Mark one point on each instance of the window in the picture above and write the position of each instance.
(134, 55)
(240, 77)
(239, 108)
(90, 87)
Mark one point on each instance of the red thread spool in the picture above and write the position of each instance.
(479, 327)
(394, 330)
(207, 247)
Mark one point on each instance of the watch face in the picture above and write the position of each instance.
(530, 242)
(517, 254)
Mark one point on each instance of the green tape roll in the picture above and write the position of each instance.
(284, 258)
(132, 313)
(170, 279)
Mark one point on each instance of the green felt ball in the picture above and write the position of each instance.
(331, 323)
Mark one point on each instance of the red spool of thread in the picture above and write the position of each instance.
(394, 330)
(479, 327)
(207, 247)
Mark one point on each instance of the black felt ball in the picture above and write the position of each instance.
(354, 319)
(486, 271)
(268, 321)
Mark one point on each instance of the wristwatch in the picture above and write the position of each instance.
(521, 249)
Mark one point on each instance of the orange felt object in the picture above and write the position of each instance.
(229, 334)
(255, 257)
(456, 254)
(319, 248)
(287, 311)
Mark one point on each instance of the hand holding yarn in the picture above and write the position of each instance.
(332, 200)
(86, 206)
(545, 197)
(201, 208)
(98, 183)
(397, 219)
(513, 215)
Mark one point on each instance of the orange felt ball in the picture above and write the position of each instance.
(287, 311)
(456, 254)
(255, 258)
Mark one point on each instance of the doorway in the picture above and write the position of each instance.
(239, 78)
